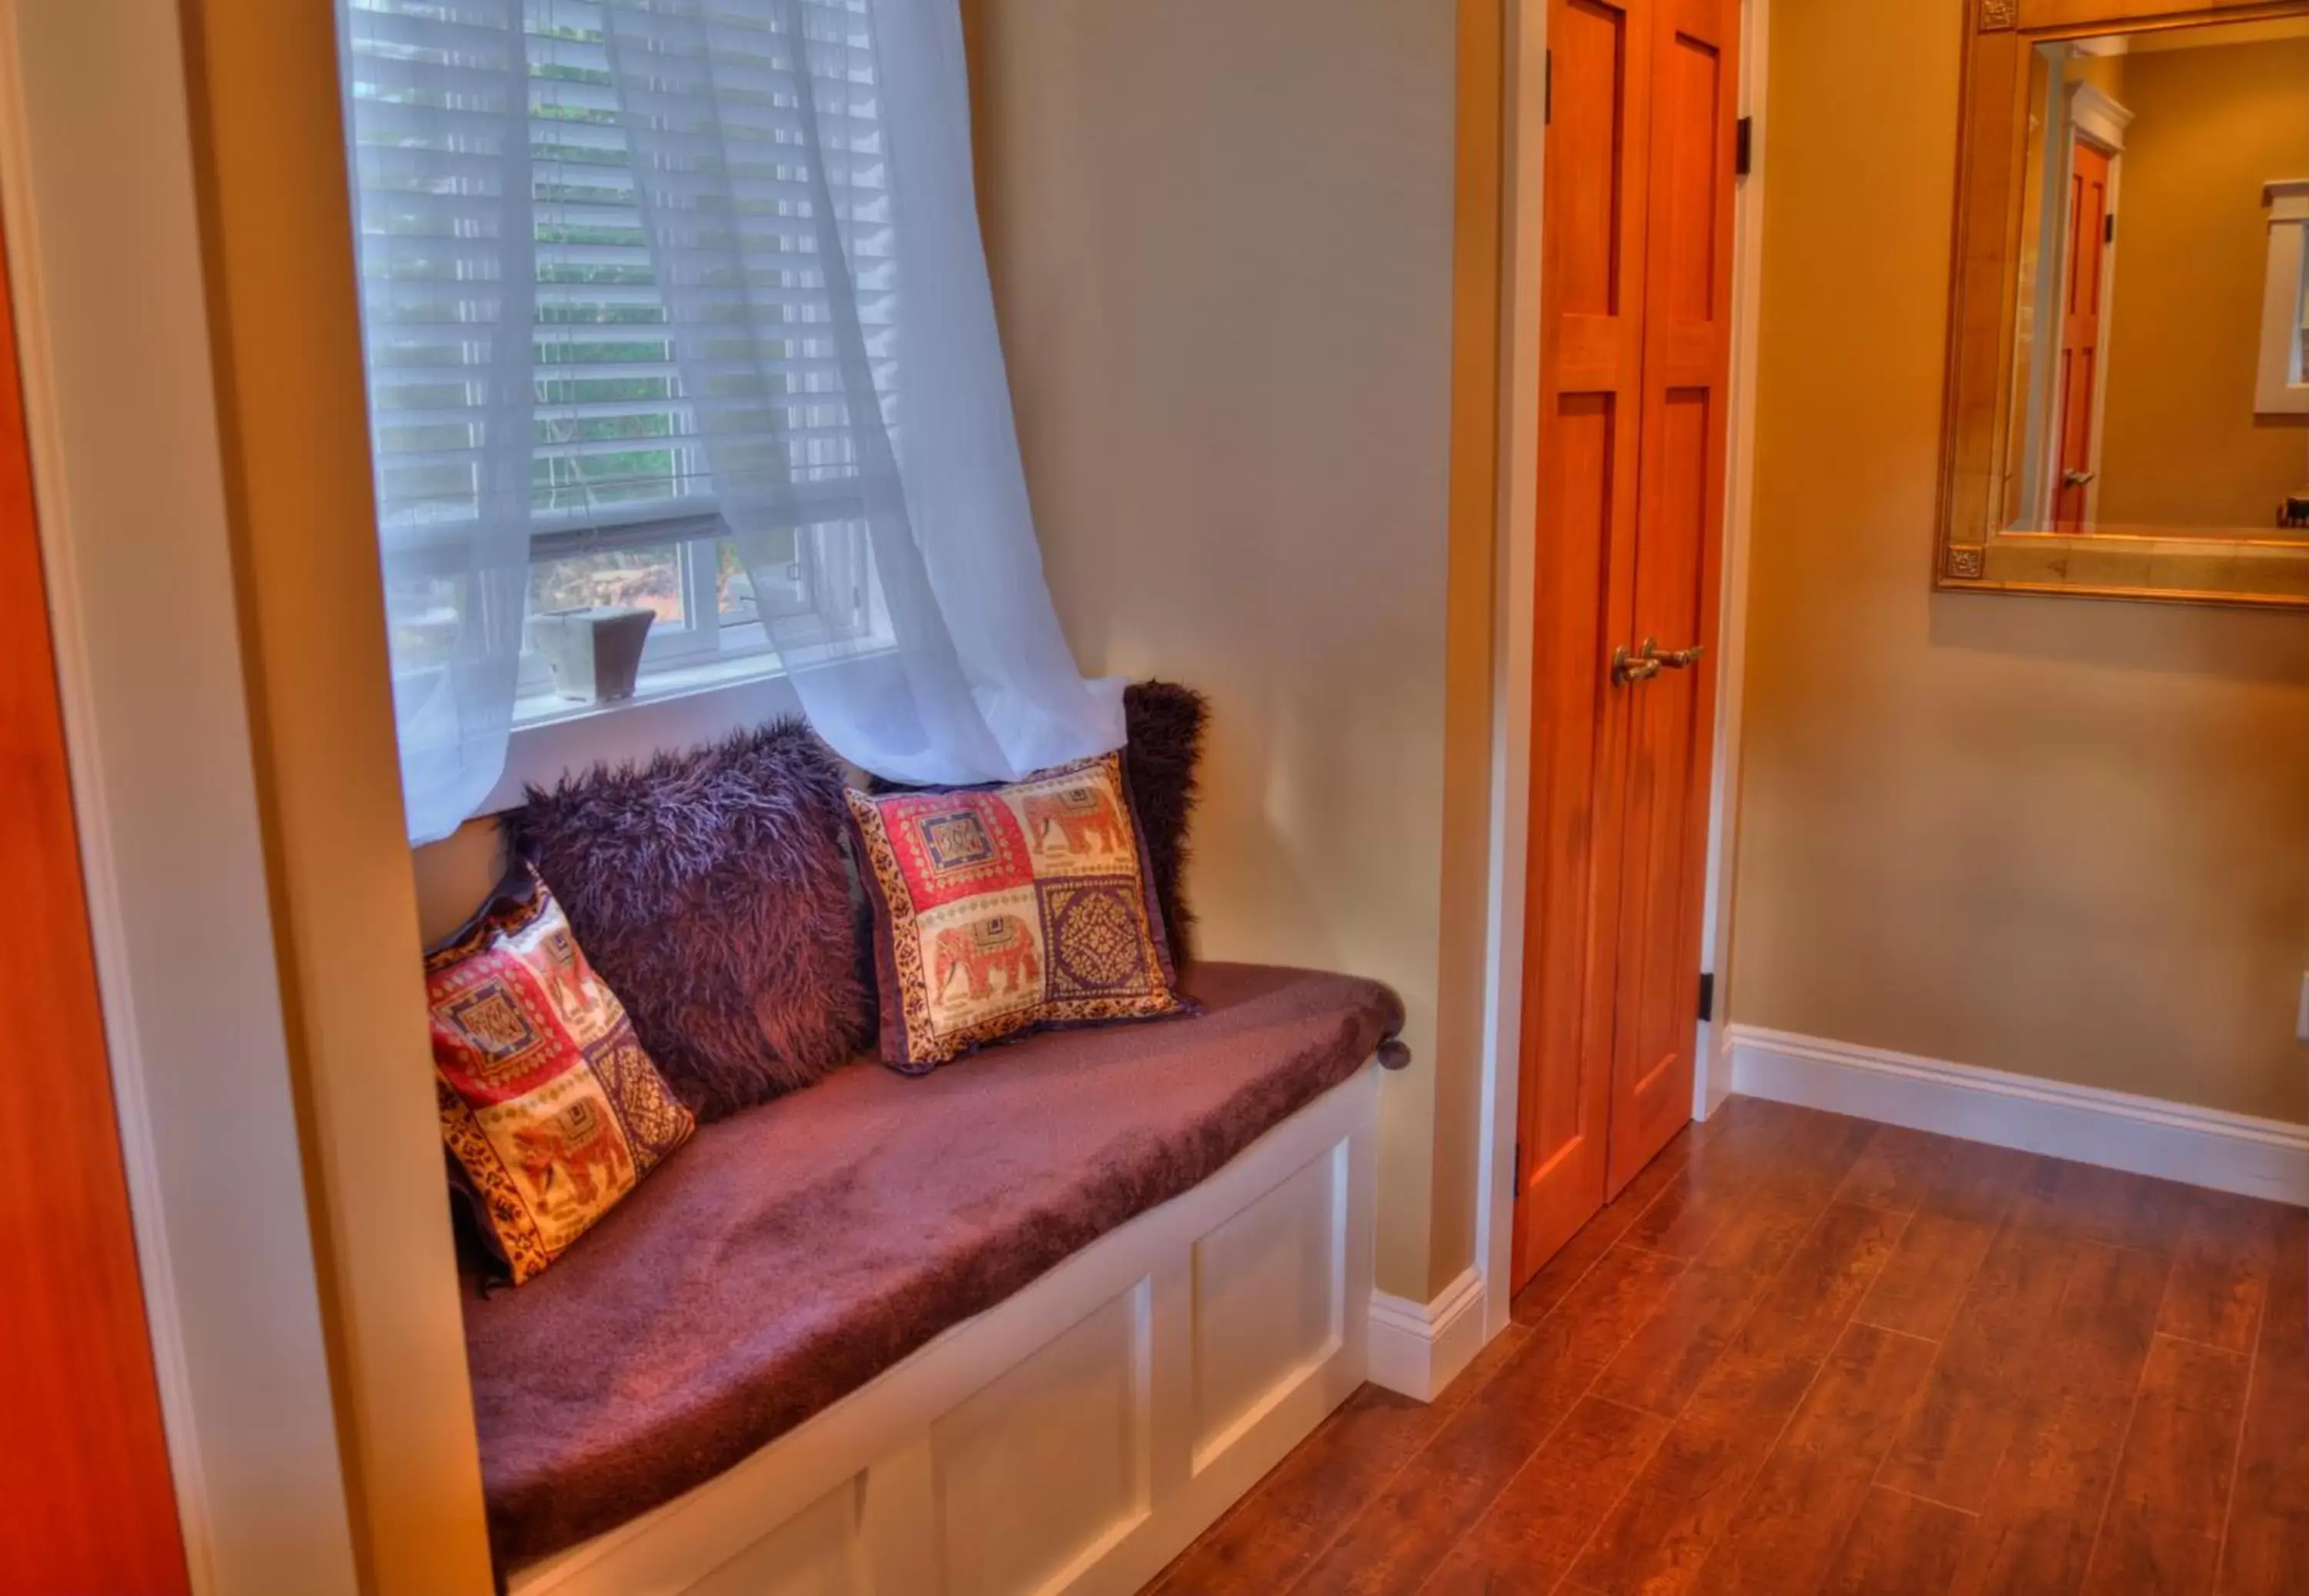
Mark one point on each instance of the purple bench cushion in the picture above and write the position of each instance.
(794, 1251)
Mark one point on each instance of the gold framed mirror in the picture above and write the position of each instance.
(2128, 377)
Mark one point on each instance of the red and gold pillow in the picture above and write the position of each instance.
(549, 1105)
(1001, 910)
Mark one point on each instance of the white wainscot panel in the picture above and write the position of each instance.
(820, 1551)
(1038, 1474)
(1269, 1309)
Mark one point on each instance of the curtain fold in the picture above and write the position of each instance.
(803, 173)
(437, 126)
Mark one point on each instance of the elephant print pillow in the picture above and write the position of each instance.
(550, 1106)
(1001, 910)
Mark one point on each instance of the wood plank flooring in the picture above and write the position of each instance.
(1807, 1354)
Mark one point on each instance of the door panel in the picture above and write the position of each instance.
(84, 1466)
(1678, 534)
(1587, 192)
(1688, 136)
(1591, 360)
(1673, 718)
(1635, 319)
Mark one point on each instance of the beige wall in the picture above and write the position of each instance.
(2061, 837)
(2180, 444)
(1221, 243)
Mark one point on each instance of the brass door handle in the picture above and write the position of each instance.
(2075, 478)
(1627, 668)
(1674, 658)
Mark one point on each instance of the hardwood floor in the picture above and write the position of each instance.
(1806, 1354)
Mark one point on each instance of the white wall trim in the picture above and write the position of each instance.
(1515, 574)
(119, 401)
(2207, 1147)
(1711, 1080)
(543, 752)
(2098, 116)
(140, 1162)
(1419, 1347)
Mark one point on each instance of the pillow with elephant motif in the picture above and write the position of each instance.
(550, 1110)
(1003, 910)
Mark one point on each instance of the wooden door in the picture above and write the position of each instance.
(1679, 543)
(2080, 369)
(1591, 369)
(83, 1469)
(1635, 306)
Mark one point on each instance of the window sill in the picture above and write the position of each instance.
(673, 709)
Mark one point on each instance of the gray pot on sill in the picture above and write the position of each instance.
(595, 654)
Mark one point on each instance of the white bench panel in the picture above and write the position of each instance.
(820, 1551)
(1070, 1440)
(1269, 1305)
(1050, 1463)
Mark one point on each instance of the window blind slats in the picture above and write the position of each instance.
(446, 94)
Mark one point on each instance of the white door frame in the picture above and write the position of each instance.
(1515, 574)
(107, 281)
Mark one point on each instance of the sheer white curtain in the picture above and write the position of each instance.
(800, 173)
(438, 112)
(803, 173)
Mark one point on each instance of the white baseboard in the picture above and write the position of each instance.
(1711, 1075)
(1419, 1347)
(2230, 1152)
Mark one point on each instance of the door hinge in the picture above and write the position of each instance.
(1708, 994)
(2108, 228)
(1743, 146)
(1547, 89)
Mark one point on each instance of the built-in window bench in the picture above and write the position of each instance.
(1026, 1325)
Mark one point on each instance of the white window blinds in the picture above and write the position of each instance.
(614, 436)
(705, 273)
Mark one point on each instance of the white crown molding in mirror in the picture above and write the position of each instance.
(2282, 390)
(2098, 116)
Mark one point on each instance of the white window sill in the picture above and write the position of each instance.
(672, 710)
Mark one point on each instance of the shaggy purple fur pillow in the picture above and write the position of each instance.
(710, 891)
(1164, 722)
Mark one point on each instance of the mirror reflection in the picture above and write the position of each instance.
(2160, 385)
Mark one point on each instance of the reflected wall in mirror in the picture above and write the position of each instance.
(2129, 385)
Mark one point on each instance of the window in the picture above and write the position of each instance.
(2284, 383)
(635, 276)
(621, 502)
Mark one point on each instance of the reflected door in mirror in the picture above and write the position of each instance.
(2090, 236)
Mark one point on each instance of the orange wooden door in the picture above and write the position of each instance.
(2080, 333)
(1679, 545)
(1635, 303)
(1591, 369)
(89, 1506)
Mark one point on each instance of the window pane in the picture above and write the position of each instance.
(733, 587)
(642, 578)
